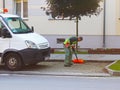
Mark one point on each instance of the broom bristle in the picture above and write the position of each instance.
(78, 61)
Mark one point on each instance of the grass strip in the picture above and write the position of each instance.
(62, 52)
(115, 66)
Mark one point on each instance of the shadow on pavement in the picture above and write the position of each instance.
(36, 67)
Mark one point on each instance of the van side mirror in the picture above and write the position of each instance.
(32, 28)
(5, 33)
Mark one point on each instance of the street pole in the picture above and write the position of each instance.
(77, 32)
(104, 25)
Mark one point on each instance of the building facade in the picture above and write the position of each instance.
(118, 17)
(102, 31)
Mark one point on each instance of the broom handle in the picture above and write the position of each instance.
(75, 53)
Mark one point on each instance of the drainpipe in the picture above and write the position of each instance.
(104, 25)
(3, 4)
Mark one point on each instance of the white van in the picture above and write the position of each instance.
(19, 45)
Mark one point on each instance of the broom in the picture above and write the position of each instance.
(77, 60)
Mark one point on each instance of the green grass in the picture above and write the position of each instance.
(62, 52)
(115, 66)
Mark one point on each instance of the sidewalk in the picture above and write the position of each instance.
(56, 68)
(93, 57)
(93, 67)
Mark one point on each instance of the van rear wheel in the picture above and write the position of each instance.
(13, 62)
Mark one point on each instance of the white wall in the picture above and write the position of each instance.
(1, 6)
(9, 5)
(111, 17)
(87, 26)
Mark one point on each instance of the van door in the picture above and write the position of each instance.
(4, 42)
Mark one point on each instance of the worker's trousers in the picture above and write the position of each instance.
(68, 56)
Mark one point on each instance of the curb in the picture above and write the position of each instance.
(54, 74)
(112, 72)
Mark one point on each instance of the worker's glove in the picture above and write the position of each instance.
(67, 45)
(73, 49)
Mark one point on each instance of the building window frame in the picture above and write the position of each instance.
(21, 12)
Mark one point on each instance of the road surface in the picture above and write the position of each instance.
(28, 82)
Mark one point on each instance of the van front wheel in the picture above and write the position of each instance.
(13, 62)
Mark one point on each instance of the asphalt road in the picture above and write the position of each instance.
(23, 82)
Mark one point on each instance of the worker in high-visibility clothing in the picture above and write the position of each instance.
(70, 43)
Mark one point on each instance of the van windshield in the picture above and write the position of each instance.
(17, 25)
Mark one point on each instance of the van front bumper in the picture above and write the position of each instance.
(32, 56)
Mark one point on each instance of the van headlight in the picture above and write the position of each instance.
(30, 44)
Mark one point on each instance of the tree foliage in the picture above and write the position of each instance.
(73, 8)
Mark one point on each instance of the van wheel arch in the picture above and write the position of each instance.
(13, 61)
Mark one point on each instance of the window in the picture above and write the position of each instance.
(1, 27)
(60, 40)
(17, 26)
(21, 7)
